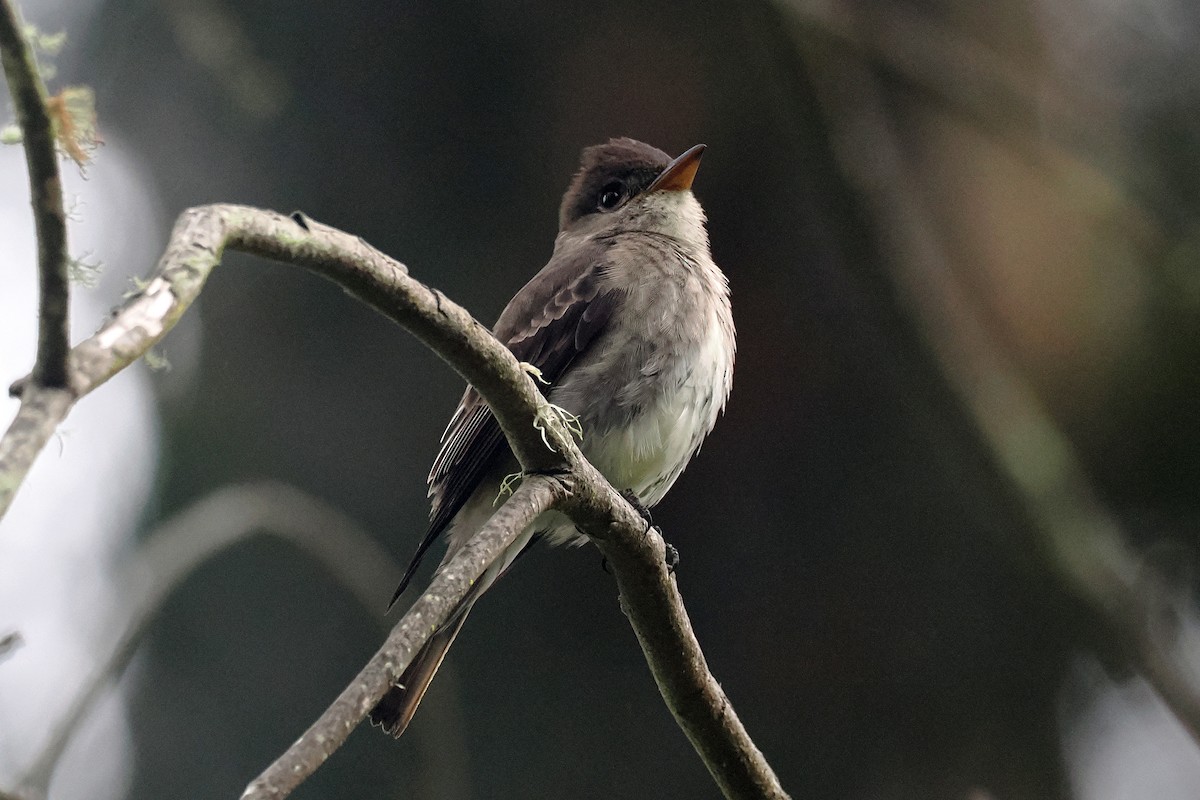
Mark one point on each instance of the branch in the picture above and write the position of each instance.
(45, 186)
(449, 586)
(179, 546)
(197, 243)
(651, 601)
(1077, 539)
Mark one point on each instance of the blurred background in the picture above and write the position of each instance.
(919, 204)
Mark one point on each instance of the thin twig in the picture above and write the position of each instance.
(651, 601)
(197, 243)
(45, 186)
(448, 587)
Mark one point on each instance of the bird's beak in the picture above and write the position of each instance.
(680, 173)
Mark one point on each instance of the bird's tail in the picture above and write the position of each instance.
(396, 709)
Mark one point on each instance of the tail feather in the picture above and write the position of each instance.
(396, 709)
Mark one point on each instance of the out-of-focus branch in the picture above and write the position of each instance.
(182, 544)
(1001, 93)
(45, 185)
(197, 244)
(1077, 538)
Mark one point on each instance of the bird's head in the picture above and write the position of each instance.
(625, 185)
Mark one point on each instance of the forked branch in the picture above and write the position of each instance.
(648, 592)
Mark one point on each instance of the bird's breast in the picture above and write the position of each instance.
(667, 378)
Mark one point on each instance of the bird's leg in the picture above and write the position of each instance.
(639, 507)
(672, 555)
(671, 558)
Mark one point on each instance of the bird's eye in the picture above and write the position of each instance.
(611, 196)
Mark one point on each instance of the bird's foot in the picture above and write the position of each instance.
(671, 558)
(639, 507)
(672, 555)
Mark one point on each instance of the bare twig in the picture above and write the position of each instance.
(448, 587)
(1077, 538)
(45, 185)
(41, 410)
(650, 599)
(230, 514)
(200, 237)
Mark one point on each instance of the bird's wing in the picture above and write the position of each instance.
(548, 324)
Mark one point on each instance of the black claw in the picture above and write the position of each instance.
(300, 219)
(639, 507)
(672, 557)
(604, 565)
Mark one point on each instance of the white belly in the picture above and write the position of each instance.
(649, 452)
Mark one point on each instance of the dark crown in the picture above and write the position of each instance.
(627, 161)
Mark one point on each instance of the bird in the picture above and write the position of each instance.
(630, 328)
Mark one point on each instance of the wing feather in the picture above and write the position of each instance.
(553, 320)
